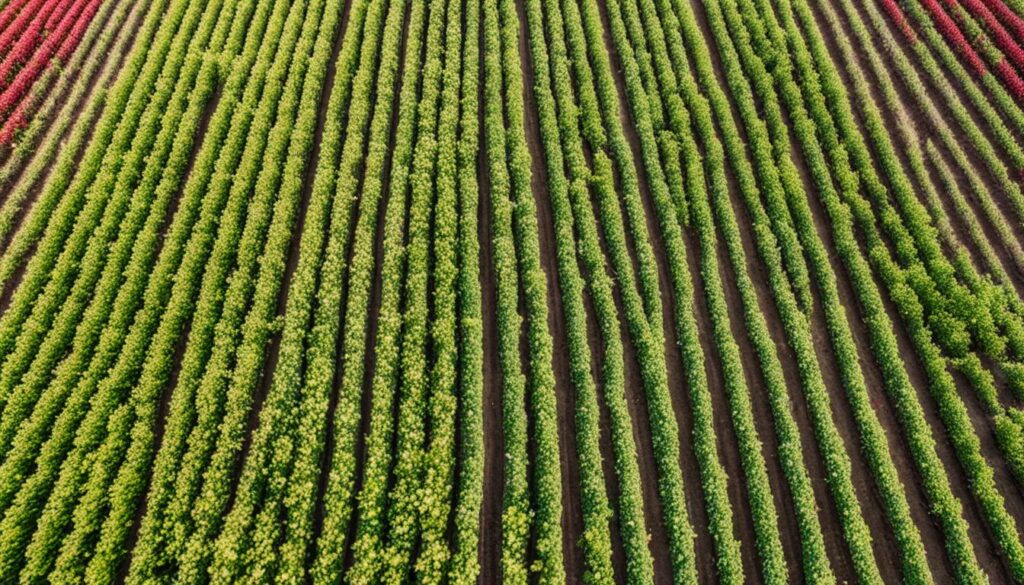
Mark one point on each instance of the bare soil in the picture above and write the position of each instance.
(494, 435)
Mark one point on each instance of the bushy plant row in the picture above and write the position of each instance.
(149, 346)
(767, 537)
(19, 454)
(368, 544)
(54, 261)
(883, 343)
(1007, 16)
(595, 114)
(19, 41)
(1010, 46)
(142, 404)
(712, 474)
(464, 567)
(978, 141)
(966, 213)
(546, 468)
(955, 37)
(516, 514)
(439, 473)
(286, 177)
(64, 190)
(953, 306)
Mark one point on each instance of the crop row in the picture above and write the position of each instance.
(713, 479)
(949, 30)
(464, 566)
(953, 307)
(58, 45)
(193, 298)
(95, 36)
(595, 542)
(22, 450)
(883, 345)
(403, 514)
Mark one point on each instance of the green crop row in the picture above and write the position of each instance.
(36, 483)
(464, 566)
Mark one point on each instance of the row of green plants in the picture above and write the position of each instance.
(546, 489)
(368, 546)
(557, 127)
(436, 504)
(712, 473)
(464, 566)
(815, 561)
(602, 131)
(168, 299)
(404, 518)
(516, 514)
(767, 539)
(285, 176)
(923, 446)
(796, 324)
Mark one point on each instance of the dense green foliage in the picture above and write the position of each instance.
(529, 291)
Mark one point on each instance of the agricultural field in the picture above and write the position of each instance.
(512, 291)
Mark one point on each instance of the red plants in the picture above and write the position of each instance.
(51, 37)
(970, 10)
(956, 38)
(1008, 17)
(899, 19)
(952, 33)
(1003, 39)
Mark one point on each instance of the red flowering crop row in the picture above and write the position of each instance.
(958, 40)
(1008, 17)
(892, 9)
(19, 40)
(953, 36)
(64, 29)
(10, 12)
(1002, 38)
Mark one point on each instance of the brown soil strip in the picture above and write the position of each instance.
(493, 431)
(596, 343)
(984, 544)
(728, 447)
(835, 544)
